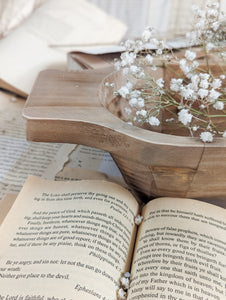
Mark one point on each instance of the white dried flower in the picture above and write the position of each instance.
(184, 116)
(121, 294)
(147, 34)
(125, 71)
(123, 91)
(206, 137)
(159, 52)
(117, 65)
(141, 75)
(128, 110)
(186, 92)
(175, 84)
(129, 85)
(222, 76)
(215, 26)
(170, 120)
(186, 69)
(127, 58)
(204, 76)
(209, 47)
(194, 82)
(195, 128)
(203, 93)
(140, 102)
(135, 94)
(134, 69)
(219, 105)
(160, 82)
(213, 95)
(204, 84)
(133, 102)
(138, 219)
(216, 84)
(124, 282)
(149, 59)
(153, 121)
(190, 55)
(142, 113)
(224, 134)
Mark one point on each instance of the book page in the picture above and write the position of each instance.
(93, 159)
(20, 158)
(66, 240)
(180, 251)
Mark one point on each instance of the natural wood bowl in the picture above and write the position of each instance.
(64, 107)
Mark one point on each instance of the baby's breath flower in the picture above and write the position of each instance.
(216, 84)
(215, 26)
(135, 93)
(123, 91)
(206, 137)
(204, 76)
(140, 102)
(153, 121)
(142, 113)
(195, 128)
(125, 71)
(124, 282)
(219, 105)
(138, 219)
(134, 69)
(209, 47)
(133, 102)
(121, 294)
(193, 93)
(184, 116)
(186, 92)
(147, 34)
(160, 82)
(149, 59)
(204, 84)
(129, 85)
(175, 84)
(128, 110)
(170, 120)
(127, 58)
(203, 93)
(213, 95)
(190, 55)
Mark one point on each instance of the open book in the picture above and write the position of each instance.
(74, 240)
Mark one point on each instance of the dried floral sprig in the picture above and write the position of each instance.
(138, 219)
(195, 97)
(124, 286)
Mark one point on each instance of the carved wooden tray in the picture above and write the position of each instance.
(64, 107)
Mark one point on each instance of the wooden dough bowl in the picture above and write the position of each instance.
(73, 107)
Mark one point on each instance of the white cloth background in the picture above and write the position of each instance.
(170, 17)
(12, 12)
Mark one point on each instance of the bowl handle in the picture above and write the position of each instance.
(64, 107)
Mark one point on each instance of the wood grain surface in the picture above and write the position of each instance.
(64, 107)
